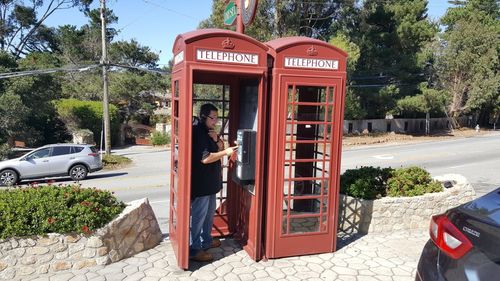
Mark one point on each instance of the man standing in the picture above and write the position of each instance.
(206, 182)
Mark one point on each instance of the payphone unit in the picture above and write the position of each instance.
(245, 161)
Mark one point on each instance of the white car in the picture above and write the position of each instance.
(74, 160)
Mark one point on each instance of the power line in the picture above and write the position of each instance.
(170, 10)
(7, 75)
(82, 68)
(158, 71)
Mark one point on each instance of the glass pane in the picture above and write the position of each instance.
(304, 225)
(303, 206)
(331, 97)
(42, 153)
(174, 220)
(208, 92)
(322, 151)
(305, 188)
(176, 157)
(324, 132)
(289, 170)
(176, 127)
(324, 223)
(174, 197)
(60, 150)
(329, 113)
(309, 113)
(176, 88)
(176, 108)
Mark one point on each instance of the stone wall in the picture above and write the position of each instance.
(397, 213)
(416, 125)
(133, 231)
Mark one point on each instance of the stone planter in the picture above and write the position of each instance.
(134, 230)
(397, 213)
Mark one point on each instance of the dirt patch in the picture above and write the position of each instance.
(394, 138)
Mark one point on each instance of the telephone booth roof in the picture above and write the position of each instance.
(305, 47)
(188, 45)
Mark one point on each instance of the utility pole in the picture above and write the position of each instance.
(104, 62)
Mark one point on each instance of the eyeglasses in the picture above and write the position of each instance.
(213, 118)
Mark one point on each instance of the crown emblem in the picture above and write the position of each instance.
(311, 51)
(227, 44)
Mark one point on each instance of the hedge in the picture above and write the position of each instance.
(37, 210)
(374, 182)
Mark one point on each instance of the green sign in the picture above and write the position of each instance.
(230, 13)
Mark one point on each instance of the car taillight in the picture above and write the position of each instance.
(94, 154)
(448, 238)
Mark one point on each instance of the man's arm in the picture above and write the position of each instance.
(216, 156)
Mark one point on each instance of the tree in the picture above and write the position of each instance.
(429, 101)
(390, 35)
(277, 18)
(13, 116)
(131, 53)
(342, 42)
(467, 60)
(22, 30)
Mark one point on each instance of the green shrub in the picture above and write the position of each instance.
(159, 118)
(365, 182)
(77, 114)
(372, 183)
(411, 181)
(37, 210)
(115, 161)
(159, 138)
(5, 151)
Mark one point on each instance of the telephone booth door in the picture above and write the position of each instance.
(235, 65)
(304, 153)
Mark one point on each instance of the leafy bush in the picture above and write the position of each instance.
(411, 181)
(38, 210)
(365, 182)
(77, 114)
(373, 183)
(5, 151)
(159, 118)
(115, 161)
(159, 138)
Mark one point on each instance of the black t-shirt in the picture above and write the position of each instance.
(206, 179)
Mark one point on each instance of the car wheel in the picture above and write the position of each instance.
(8, 177)
(78, 172)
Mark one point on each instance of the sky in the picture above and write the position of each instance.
(156, 23)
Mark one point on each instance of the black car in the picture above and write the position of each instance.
(464, 244)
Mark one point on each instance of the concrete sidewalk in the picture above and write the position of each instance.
(387, 256)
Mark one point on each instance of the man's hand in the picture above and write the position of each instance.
(230, 150)
(213, 135)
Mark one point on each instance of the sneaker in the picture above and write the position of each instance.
(215, 244)
(202, 256)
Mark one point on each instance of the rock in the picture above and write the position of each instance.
(72, 238)
(94, 242)
(37, 251)
(26, 270)
(60, 265)
(3, 265)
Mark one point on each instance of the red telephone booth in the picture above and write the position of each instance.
(230, 70)
(306, 116)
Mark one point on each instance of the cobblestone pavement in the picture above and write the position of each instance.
(377, 257)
